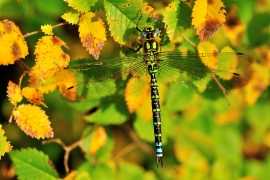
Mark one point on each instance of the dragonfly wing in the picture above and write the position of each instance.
(203, 72)
(101, 79)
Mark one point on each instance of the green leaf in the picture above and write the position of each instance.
(72, 18)
(104, 153)
(144, 129)
(122, 16)
(32, 164)
(132, 171)
(81, 5)
(109, 113)
(259, 24)
(178, 18)
(100, 171)
(82, 176)
(231, 142)
(56, 7)
(223, 170)
(258, 118)
(177, 95)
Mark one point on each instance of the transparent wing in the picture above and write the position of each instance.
(104, 79)
(203, 72)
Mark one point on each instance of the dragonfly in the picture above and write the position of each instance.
(108, 79)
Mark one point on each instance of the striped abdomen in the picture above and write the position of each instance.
(152, 70)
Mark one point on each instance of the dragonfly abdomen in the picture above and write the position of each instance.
(152, 70)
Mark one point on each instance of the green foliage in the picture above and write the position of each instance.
(259, 24)
(203, 139)
(178, 19)
(32, 164)
(122, 18)
(72, 18)
(109, 113)
(81, 5)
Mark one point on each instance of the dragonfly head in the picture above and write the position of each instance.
(150, 32)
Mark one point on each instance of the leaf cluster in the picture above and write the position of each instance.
(202, 139)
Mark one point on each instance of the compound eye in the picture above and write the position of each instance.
(143, 34)
(156, 32)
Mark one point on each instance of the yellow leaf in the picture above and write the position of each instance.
(143, 110)
(33, 95)
(230, 116)
(136, 99)
(208, 17)
(71, 175)
(234, 28)
(14, 93)
(13, 45)
(37, 81)
(5, 146)
(147, 9)
(47, 29)
(99, 140)
(231, 64)
(49, 54)
(92, 34)
(208, 47)
(258, 82)
(33, 121)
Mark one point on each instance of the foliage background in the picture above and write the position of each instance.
(208, 138)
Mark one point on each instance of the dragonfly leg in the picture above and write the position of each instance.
(134, 50)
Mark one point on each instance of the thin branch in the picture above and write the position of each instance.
(15, 106)
(189, 41)
(136, 143)
(124, 151)
(224, 91)
(38, 31)
(67, 149)
(23, 65)
(11, 116)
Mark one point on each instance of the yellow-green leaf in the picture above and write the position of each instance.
(208, 16)
(5, 146)
(92, 34)
(72, 18)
